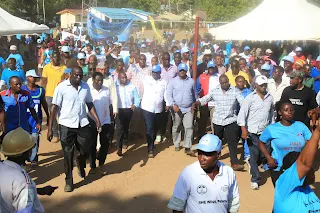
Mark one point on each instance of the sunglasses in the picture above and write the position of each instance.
(182, 70)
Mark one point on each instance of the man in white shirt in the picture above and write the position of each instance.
(70, 99)
(276, 84)
(101, 100)
(152, 105)
(207, 185)
(246, 53)
(288, 68)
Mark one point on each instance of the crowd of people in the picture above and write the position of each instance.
(238, 94)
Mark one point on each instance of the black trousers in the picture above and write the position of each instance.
(274, 176)
(231, 134)
(75, 137)
(152, 125)
(104, 142)
(122, 126)
(202, 124)
(111, 132)
(165, 123)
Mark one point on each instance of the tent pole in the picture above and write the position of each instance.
(196, 46)
(44, 12)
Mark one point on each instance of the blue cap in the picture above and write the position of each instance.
(266, 67)
(65, 49)
(209, 143)
(182, 66)
(177, 51)
(67, 70)
(211, 64)
(288, 58)
(185, 50)
(318, 58)
(246, 48)
(81, 55)
(156, 68)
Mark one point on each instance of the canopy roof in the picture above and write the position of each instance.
(274, 20)
(169, 16)
(11, 25)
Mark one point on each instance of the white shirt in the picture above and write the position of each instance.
(102, 101)
(275, 91)
(17, 189)
(202, 194)
(247, 57)
(72, 103)
(101, 58)
(127, 95)
(213, 83)
(286, 79)
(154, 94)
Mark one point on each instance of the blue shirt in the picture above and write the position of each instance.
(8, 73)
(18, 57)
(182, 93)
(285, 139)
(16, 111)
(291, 197)
(245, 92)
(2, 62)
(315, 73)
(36, 97)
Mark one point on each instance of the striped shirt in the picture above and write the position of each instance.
(256, 113)
(136, 74)
(225, 103)
(170, 73)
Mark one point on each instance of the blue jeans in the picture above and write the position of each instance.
(246, 149)
(152, 121)
(34, 155)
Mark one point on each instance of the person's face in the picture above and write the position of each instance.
(76, 76)
(287, 112)
(12, 64)
(166, 60)
(207, 58)
(91, 69)
(262, 88)
(182, 74)
(310, 178)
(211, 70)
(235, 66)
(106, 48)
(154, 61)
(89, 48)
(261, 62)
(13, 51)
(31, 80)
(156, 75)
(97, 50)
(15, 85)
(174, 49)
(177, 58)
(287, 65)
(307, 70)
(92, 60)
(97, 82)
(56, 59)
(79, 44)
(240, 82)
(123, 78)
(208, 160)
(82, 62)
(299, 53)
(294, 82)
(224, 83)
(277, 74)
(186, 55)
(254, 65)
(67, 54)
(246, 52)
(218, 60)
(119, 66)
(142, 61)
(265, 73)
(242, 64)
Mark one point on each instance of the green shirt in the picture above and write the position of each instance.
(308, 82)
(85, 70)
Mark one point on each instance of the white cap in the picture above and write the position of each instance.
(269, 51)
(143, 45)
(65, 49)
(32, 73)
(81, 56)
(185, 50)
(13, 47)
(261, 79)
(298, 49)
(207, 52)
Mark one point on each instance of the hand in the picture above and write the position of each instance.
(175, 108)
(47, 190)
(244, 134)
(38, 127)
(99, 129)
(133, 107)
(115, 115)
(194, 107)
(167, 108)
(272, 163)
(49, 134)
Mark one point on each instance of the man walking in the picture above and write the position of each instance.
(71, 98)
(226, 99)
(255, 114)
(181, 96)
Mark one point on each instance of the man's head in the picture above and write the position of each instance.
(182, 70)
(15, 84)
(137, 55)
(166, 59)
(298, 51)
(120, 65)
(32, 77)
(97, 80)
(242, 63)
(13, 49)
(277, 74)
(288, 62)
(93, 60)
(11, 63)
(235, 67)
(207, 56)
(89, 48)
(224, 82)
(299, 64)
(218, 60)
(97, 50)
(261, 84)
(177, 58)
(240, 82)
(76, 76)
(82, 59)
(212, 68)
(142, 61)
(254, 65)
(122, 76)
(156, 72)
(269, 52)
(246, 50)
(65, 50)
(55, 58)
(154, 60)
(296, 79)
(307, 70)
(185, 51)
(265, 70)
(209, 150)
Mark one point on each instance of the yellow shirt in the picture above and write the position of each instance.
(232, 78)
(54, 76)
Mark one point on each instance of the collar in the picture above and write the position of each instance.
(11, 164)
(265, 96)
(220, 165)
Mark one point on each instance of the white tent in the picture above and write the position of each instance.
(11, 25)
(274, 20)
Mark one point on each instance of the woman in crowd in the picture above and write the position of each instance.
(286, 135)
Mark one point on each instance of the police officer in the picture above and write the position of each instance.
(207, 185)
(18, 192)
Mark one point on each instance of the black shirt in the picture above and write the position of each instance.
(302, 100)
(201, 68)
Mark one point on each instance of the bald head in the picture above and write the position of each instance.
(224, 82)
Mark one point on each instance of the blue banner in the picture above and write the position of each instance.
(99, 29)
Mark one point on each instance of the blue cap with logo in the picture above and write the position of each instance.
(67, 70)
(211, 64)
(288, 58)
(182, 66)
(246, 48)
(266, 67)
(209, 143)
(156, 68)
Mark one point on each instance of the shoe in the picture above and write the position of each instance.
(237, 167)
(150, 154)
(247, 161)
(92, 171)
(125, 146)
(190, 152)
(81, 171)
(102, 171)
(55, 140)
(177, 149)
(68, 188)
(158, 138)
(254, 186)
(119, 153)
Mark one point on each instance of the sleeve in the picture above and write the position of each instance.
(180, 194)
(30, 103)
(89, 98)
(114, 96)
(198, 86)
(136, 97)
(306, 132)
(233, 196)
(266, 135)
(57, 97)
(205, 99)
(244, 111)
(4, 76)
(21, 61)
(169, 94)
(313, 103)
(284, 95)
(239, 97)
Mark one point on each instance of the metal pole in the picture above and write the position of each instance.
(196, 46)
(44, 12)
(82, 15)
